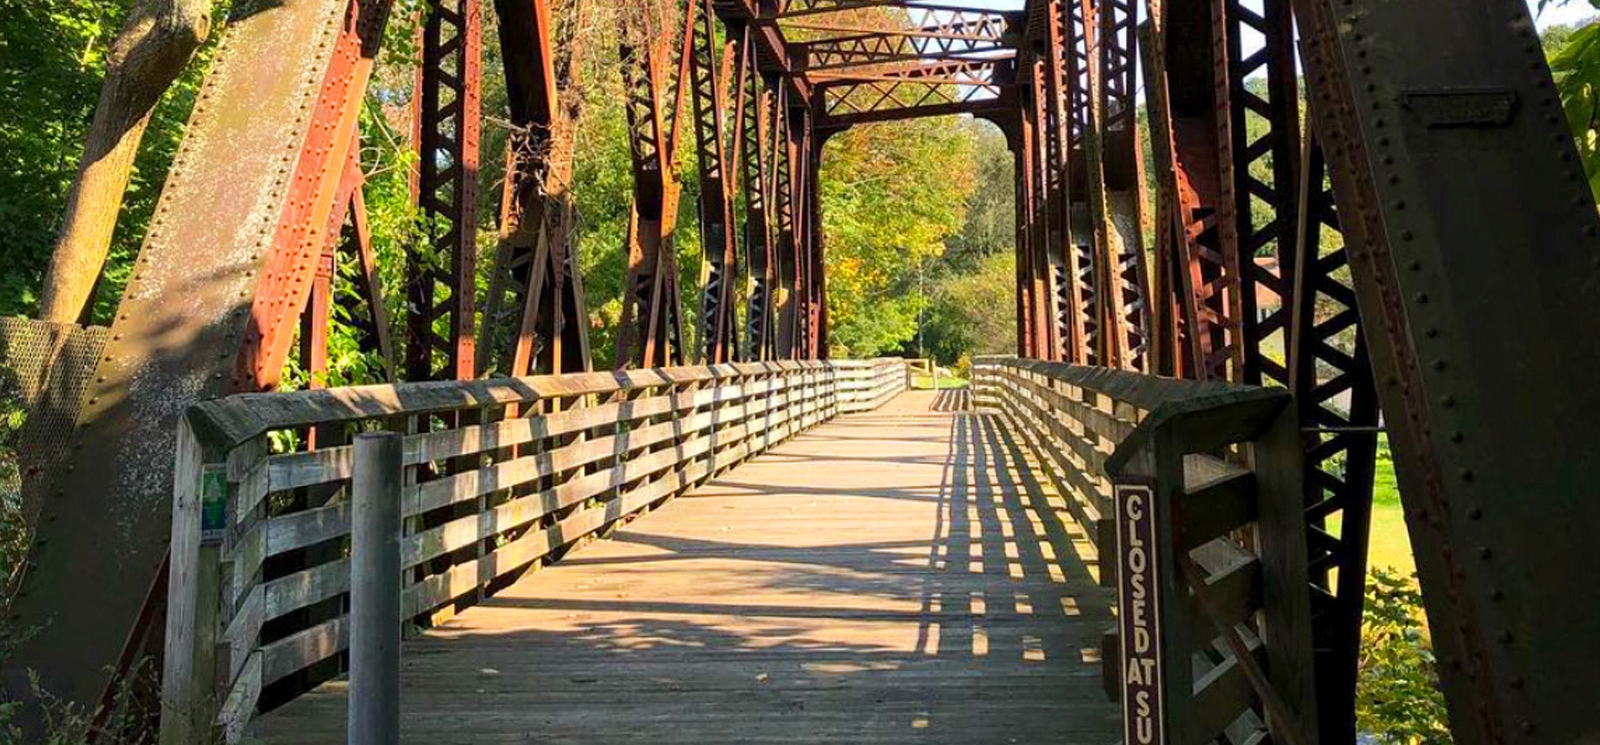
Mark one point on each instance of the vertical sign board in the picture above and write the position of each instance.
(1138, 613)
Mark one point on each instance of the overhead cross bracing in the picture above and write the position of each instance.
(882, 60)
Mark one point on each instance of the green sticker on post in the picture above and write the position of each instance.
(213, 503)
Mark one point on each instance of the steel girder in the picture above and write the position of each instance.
(1259, 189)
(904, 92)
(255, 179)
(651, 332)
(534, 313)
(441, 291)
(951, 35)
(713, 72)
(1330, 374)
(1474, 240)
(789, 238)
(1201, 263)
(1043, 198)
(1069, 326)
(1120, 190)
(757, 143)
(1072, 24)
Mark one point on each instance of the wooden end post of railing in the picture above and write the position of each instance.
(1212, 564)
(375, 524)
(188, 693)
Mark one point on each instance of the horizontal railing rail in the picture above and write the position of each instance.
(865, 385)
(498, 475)
(1195, 492)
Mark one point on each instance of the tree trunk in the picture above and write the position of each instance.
(151, 51)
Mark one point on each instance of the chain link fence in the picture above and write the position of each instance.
(44, 370)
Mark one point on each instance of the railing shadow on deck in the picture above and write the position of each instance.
(1003, 585)
(500, 474)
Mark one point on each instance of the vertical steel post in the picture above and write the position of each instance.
(755, 141)
(1123, 179)
(1330, 373)
(718, 178)
(442, 289)
(1066, 315)
(533, 315)
(651, 332)
(1184, 104)
(1255, 80)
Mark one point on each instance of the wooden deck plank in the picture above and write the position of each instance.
(888, 577)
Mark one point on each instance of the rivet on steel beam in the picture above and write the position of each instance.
(1496, 594)
(1485, 553)
(1475, 513)
(1447, 401)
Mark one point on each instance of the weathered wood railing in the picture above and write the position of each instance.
(1195, 492)
(867, 384)
(499, 474)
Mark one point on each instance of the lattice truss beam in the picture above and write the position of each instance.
(917, 90)
(930, 35)
(874, 60)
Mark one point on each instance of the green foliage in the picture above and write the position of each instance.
(52, 61)
(891, 195)
(1576, 65)
(1397, 689)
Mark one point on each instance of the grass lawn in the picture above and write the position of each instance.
(1389, 546)
(925, 382)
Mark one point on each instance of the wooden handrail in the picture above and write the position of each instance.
(1195, 492)
(499, 474)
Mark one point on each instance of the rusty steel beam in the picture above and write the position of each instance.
(771, 48)
(1127, 276)
(1330, 373)
(1182, 83)
(1255, 78)
(534, 314)
(255, 180)
(710, 68)
(756, 143)
(1068, 329)
(786, 302)
(651, 333)
(1036, 298)
(441, 288)
(1110, 322)
(1474, 239)
(1177, 351)
(933, 89)
(816, 289)
(1071, 27)
(793, 9)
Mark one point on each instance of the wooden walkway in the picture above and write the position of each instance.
(895, 576)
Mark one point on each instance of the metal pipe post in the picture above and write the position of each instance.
(374, 704)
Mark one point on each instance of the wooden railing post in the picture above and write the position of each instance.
(374, 701)
(188, 689)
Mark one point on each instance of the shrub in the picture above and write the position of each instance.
(1398, 701)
